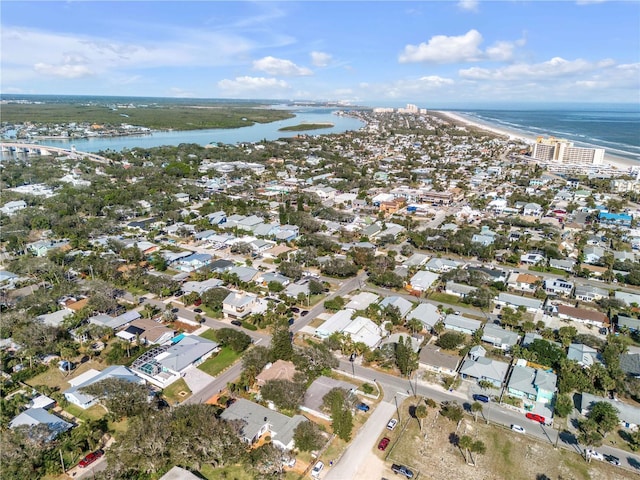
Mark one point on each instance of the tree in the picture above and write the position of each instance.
(284, 393)
(121, 397)
(566, 335)
(450, 340)
(337, 402)
(421, 413)
(563, 406)
(452, 411)
(253, 361)
(236, 340)
(315, 287)
(476, 407)
(307, 437)
(406, 359)
(281, 346)
(477, 447)
(605, 417)
(464, 444)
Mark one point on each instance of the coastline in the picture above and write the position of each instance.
(619, 163)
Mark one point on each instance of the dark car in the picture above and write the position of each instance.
(535, 417)
(237, 323)
(304, 312)
(175, 310)
(197, 310)
(384, 443)
(362, 407)
(291, 320)
(481, 398)
(89, 459)
(402, 470)
(612, 459)
(295, 309)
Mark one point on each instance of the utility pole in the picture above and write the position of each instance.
(62, 461)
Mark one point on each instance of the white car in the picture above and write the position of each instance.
(518, 428)
(392, 424)
(317, 468)
(594, 455)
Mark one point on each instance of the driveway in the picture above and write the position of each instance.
(196, 379)
(354, 462)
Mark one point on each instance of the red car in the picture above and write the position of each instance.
(384, 443)
(535, 417)
(89, 459)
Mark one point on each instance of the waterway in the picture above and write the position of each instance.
(253, 133)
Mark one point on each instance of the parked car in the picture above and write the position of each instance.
(593, 454)
(535, 417)
(197, 310)
(402, 470)
(89, 459)
(518, 428)
(291, 320)
(612, 460)
(304, 312)
(384, 443)
(317, 468)
(237, 323)
(480, 398)
(175, 310)
(392, 424)
(197, 303)
(362, 407)
(295, 309)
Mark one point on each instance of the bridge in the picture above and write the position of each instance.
(34, 149)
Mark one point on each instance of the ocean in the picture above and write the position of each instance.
(616, 128)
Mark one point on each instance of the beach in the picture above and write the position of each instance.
(619, 163)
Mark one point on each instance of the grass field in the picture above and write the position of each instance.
(160, 117)
(172, 392)
(222, 360)
(209, 335)
(234, 472)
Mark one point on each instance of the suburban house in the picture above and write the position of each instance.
(628, 298)
(441, 265)
(427, 313)
(12, 207)
(193, 262)
(593, 253)
(485, 238)
(360, 329)
(532, 384)
(238, 305)
(588, 293)
(629, 415)
(361, 301)
(394, 338)
(422, 280)
(524, 282)
(33, 417)
(499, 337)
(484, 369)
(322, 385)
(620, 219)
(279, 370)
(432, 358)
(531, 304)
(146, 331)
(115, 322)
(582, 315)
(402, 304)
(179, 473)
(633, 324)
(584, 355)
(532, 210)
(462, 324)
(245, 274)
(532, 259)
(562, 264)
(458, 289)
(201, 287)
(83, 400)
(259, 420)
(164, 364)
(558, 287)
(630, 364)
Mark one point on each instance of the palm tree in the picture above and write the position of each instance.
(476, 407)
(464, 444)
(477, 447)
(421, 413)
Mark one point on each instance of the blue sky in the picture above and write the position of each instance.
(433, 53)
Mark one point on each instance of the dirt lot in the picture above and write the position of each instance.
(508, 455)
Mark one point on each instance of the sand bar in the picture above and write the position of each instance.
(614, 161)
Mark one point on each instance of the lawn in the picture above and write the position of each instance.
(93, 413)
(209, 335)
(447, 299)
(234, 472)
(222, 360)
(58, 380)
(172, 392)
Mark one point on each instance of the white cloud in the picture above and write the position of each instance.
(257, 86)
(456, 49)
(443, 49)
(471, 5)
(436, 81)
(280, 66)
(320, 59)
(64, 71)
(556, 67)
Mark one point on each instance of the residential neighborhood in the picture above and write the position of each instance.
(274, 300)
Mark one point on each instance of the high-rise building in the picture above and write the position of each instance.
(559, 150)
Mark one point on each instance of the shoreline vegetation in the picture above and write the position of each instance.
(155, 117)
(460, 119)
(306, 126)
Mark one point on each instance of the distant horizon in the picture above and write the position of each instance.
(496, 105)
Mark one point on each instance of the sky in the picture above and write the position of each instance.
(376, 53)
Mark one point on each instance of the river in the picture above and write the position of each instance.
(253, 133)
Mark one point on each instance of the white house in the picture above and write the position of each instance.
(83, 400)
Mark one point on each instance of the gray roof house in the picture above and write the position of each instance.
(589, 293)
(533, 384)
(461, 324)
(499, 337)
(433, 359)
(441, 265)
(531, 304)
(403, 304)
(427, 313)
(83, 400)
(566, 265)
(422, 280)
(33, 417)
(628, 322)
(628, 297)
(629, 415)
(179, 473)
(583, 354)
(361, 301)
(259, 420)
(484, 368)
(630, 364)
(238, 305)
(317, 390)
(458, 289)
(245, 274)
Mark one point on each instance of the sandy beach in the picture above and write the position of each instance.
(614, 161)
